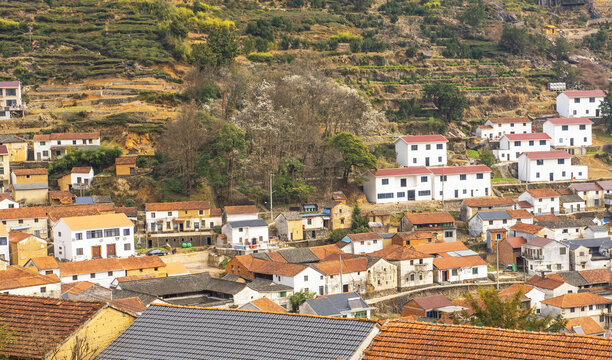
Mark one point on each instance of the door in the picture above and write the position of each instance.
(37, 156)
(551, 176)
(411, 195)
(597, 112)
(132, 171)
(111, 250)
(426, 161)
(472, 193)
(445, 275)
(345, 288)
(181, 226)
(96, 252)
(456, 193)
(571, 141)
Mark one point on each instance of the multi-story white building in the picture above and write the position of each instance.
(554, 165)
(421, 150)
(240, 212)
(93, 237)
(495, 128)
(542, 255)
(580, 103)
(497, 219)
(363, 243)
(512, 145)
(246, 235)
(568, 132)
(398, 185)
(461, 182)
(413, 268)
(51, 146)
(181, 216)
(10, 98)
(542, 201)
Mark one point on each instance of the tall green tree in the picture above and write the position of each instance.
(514, 39)
(562, 48)
(355, 155)
(475, 14)
(289, 184)
(448, 99)
(220, 48)
(359, 222)
(606, 108)
(491, 311)
(487, 157)
(298, 298)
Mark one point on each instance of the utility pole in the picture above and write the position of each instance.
(443, 180)
(271, 207)
(497, 261)
(341, 283)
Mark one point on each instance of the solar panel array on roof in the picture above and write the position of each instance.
(462, 253)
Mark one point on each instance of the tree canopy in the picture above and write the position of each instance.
(355, 155)
(606, 108)
(448, 99)
(359, 222)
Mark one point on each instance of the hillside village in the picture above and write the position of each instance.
(225, 180)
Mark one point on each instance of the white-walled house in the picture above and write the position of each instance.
(398, 185)
(454, 262)
(580, 103)
(554, 165)
(413, 268)
(51, 146)
(461, 182)
(543, 201)
(301, 278)
(590, 192)
(495, 128)
(92, 237)
(421, 150)
(10, 98)
(5, 251)
(246, 234)
(542, 255)
(363, 243)
(575, 305)
(240, 213)
(497, 219)
(28, 282)
(6, 202)
(569, 132)
(566, 229)
(512, 145)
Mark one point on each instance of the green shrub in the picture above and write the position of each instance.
(260, 57)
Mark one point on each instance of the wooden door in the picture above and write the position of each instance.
(96, 252)
(111, 250)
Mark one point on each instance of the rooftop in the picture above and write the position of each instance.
(9, 84)
(45, 263)
(493, 215)
(588, 186)
(528, 136)
(452, 170)
(605, 184)
(348, 266)
(97, 221)
(584, 325)
(264, 304)
(439, 248)
(178, 205)
(597, 276)
(337, 304)
(456, 262)
(67, 136)
(510, 120)
(224, 334)
(81, 169)
(423, 138)
(17, 277)
(584, 93)
(489, 201)
(516, 241)
(553, 154)
(542, 193)
(544, 283)
(576, 300)
(432, 302)
(413, 170)
(240, 209)
(36, 171)
(570, 121)
(442, 217)
(399, 253)
(109, 264)
(248, 223)
(539, 242)
(364, 236)
(127, 160)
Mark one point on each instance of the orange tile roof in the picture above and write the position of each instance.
(547, 217)
(588, 325)
(37, 171)
(489, 201)
(40, 324)
(452, 262)
(97, 221)
(513, 289)
(544, 283)
(65, 213)
(516, 241)
(519, 213)
(178, 205)
(31, 212)
(255, 265)
(576, 300)
(597, 276)
(407, 340)
(414, 235)
(45, 263)
(66, 136)
(526, 228)
(109, 264)
(542, 193)
(240, 209)
(129, 304)
(430, 218)
(267, 305)
(438, 248)
(16, 277)
(141, 262)
(216, 212)
(64, 197)
(76, 288)
(17, 236)
(348, 266)
(81, 169)
(509, 120)
(276, 256)
(324, 251)
(399, 252)
(364, 236)
(128, 160)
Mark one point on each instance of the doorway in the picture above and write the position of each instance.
(426, 161)
(96, 252)
(411, 195)
(111, 250)
(551, 176)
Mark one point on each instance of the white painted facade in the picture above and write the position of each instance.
(10, 98)
(82, 180)
(426, 150)
(461, 182)
(53, 290)
(8, 204)
(478, 272)
(102, 278)
(398, 185)
(365, 246)
(250, 233)
(510, 149)
(595, 312)
(569, 132)
(542, 205)
(48, 149)
(552, 257)
(479, 226)
(5, 252)
(580, 103)
(556, 167)
(414, 272)
(308, 279)
(495, 128)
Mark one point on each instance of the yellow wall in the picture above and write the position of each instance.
(64, 182)
(339, 212)
(21, 179)
(17, 151)
(161, 272)
(124, 170)
(295, 228)
(26, 249)
(97, 333)
(6, 176)
(37, 196)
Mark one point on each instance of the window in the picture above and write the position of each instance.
(592, 99)
(111, 232)
(572, 310)
(505, 221)
(362, 243)
(577, 101)
(454, 272)
(517, 143)
(585, 139)
(43, 289)
(440, 146)
(414, 160)
(424, 193)
(539, 162)
(448, 234)
(401, 194)
(78, 236)
(414, 147)
(385, 181)
(531, 142)
(402, 182)
(428, 147)
(560, 161)
(127, 246)
(75, 277)
(444, 178)
(562, 251)
(385, 196)
(411, 262)
(582, 127)
(423, 179)
(11, 92)
(561, 139)
(43, 143)
(110, 273)
(309, 221)
(587, 112)
(240, 229)
(464, 191)
(92, 275)
(490, 222)
(563, 173)
(421, 261)
(558, 266)
(20, 221)
(305, 277)
(79, 251)
(283, 294)
(440, 159)
(411, 277)
(537, 175)
(542, 142)
(126, 232)
(59, 233)
(474, 271)
(479, 176)
(564, 127)
(463, 177)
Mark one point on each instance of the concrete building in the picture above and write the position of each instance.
(51, 146)
(24, 246)
(495, 128)
(469, 207)
(30, 186)
(590, 192)
(512, 145)
(569, 132)
(24, 281)
(17, 147)
(289, 226)
(245, 235)
(125, 166)
(363, 243)
(571, 306)
(346, 305)
(555, 165)
(398, 185)
(585, 103)
(572, 203)
(79, 179)
(461, 182)
(10, 100)
(591, 253)
(421, 150)
(413, 267)
(542, 201)
(440, 224)
(454, 262)
(542, 255)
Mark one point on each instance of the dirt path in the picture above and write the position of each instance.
(597, 168)
(194, 262)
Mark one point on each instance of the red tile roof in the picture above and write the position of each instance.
(323, 251)
(17, 236)
(542, 193)
(45, 263)
(597, 276)
(3, 150)
(528, 136)
(40, 324)
(519, 213)
(576, 299)
(489, 201)
(513, 289)
(451, 170)
(37, 171)
(255, 265)
(399, 253)
(267, 305)
(586, 323)
(486, 127)
(81, 170)
(348, 266)
(67, 136)
(423, 138)
(589, 186)
(584, 93)
(456, 262)
(9, 84)
(240, 209)
(178, 205)
(546, 217)
(570, 121)
(413, 170)
(76, 288)
(544, 283)
(441, 217)
(439, 248)
(128, 160)
(509, 120)
(407, 340)
(17, 277)
(109, 264)
(524, 204)
(364, 236)
(553, 154)
(526, 228)
(432, 302)
(130, 304)
(539, 242)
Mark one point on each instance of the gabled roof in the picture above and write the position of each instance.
(36, 171)
(597, 276)
(493, 215)
(519, 214)
(605, 184)
(263, 304)
(528, 136)
(570, 121)
(240, 209)
(570, 277)
(453, 170)
(539, 242)
(16, 277)
(325, 251)
(513, 289)
(129, 304)
(584, 325)
(81, 170)
(225, 334)
(109, 264)
(432, 302)
(584, 93)
(441, 217)
(9, 84)
(573, 198)
(364, 236)
(178, 205)
(185, 284)
(45, 263)
(542, 193)
(552, 154)
(76, 288)
(399, 253)
(347, 266)
(127, 160)
(30, 186)
(413, 170)
(17, 236)
(516, 241)
(337, 304)
(297, 255)
(3, 150)
(407, 340)
(566, 223)
(67, 136)
(576, 299)
(411, 139)
(40, 324)
(438, 248)
(597, 243)
(588, 186)
(510, 120)
(268, 267)
(248, 223)
(97, 221)
(456, 262)
(489, 201)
